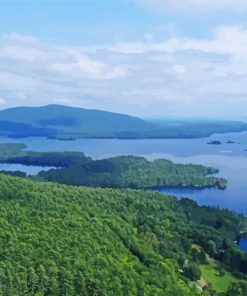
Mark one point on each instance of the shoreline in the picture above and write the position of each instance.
(195, 187)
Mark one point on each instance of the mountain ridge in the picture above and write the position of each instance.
(66, 122)
(74, 121)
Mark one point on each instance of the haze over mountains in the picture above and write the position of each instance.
(63, 122)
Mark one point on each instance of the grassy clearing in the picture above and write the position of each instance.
(220, 282)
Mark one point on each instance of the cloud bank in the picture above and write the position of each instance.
(175, 76)
(195, 6)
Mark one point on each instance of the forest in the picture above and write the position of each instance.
(74, 168)
(66, 240)
(135, 172)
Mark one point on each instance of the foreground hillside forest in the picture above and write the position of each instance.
(74, 168)
(64, 240)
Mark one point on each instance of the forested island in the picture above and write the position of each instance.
(65, 240)
(214, 143)
(74, 168)
(135, 172)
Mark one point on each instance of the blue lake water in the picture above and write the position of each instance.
(29, 170)
(231, 159)
(243, 243)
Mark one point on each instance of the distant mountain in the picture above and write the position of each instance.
(62, 121)
(68, 123)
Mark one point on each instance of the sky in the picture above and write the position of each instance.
(148, 58)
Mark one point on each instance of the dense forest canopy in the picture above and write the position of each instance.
(74, 168)
(135, 172)
(61, 240)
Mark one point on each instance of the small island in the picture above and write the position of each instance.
(214, 143)
(230, 142)
(61, 138)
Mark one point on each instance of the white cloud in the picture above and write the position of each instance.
(22, 38)
(63, 100)
(2, 101)
(162, 58)
(22, 53)
(93, 69)
(158, 95)
(180, 69)
(195, 6)
(59, 60)
(225, 40)
(228, 41)
(152, 80)
(148, 77)
(18, 82)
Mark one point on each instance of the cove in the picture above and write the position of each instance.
(29, 170)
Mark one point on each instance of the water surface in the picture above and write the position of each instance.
(243, 243)
(28, 169)
(231, 159)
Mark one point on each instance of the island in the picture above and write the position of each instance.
(75, 168)
(62, 138)
(214, 143)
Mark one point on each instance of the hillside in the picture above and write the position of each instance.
(61, 240)
(63, 122)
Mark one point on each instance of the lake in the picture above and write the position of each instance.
(230, 158)
(243, 243)
(29, 170)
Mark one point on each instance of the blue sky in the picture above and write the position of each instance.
(150, 58)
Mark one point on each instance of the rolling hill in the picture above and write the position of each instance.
(61, 240)
(54, 120)
(63, 122)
